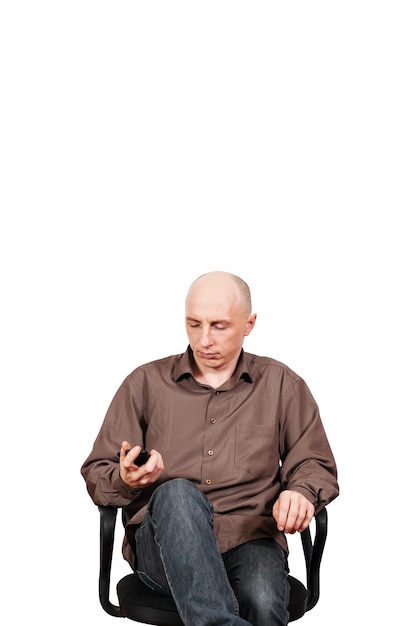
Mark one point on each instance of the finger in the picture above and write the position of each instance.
(280, 514)
(124, 446)
(152, 469)
(307, 518)
(154, 462)
(293, 519)
(302, 515)
(128, 455)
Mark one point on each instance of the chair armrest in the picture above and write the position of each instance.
(108, 516)
(313, 555)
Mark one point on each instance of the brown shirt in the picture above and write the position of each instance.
(241, 444)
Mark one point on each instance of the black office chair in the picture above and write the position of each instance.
(139, 603)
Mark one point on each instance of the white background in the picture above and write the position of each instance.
(144, 143)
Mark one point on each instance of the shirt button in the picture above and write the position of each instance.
(210, 452)
(212, 420)
(208, 481)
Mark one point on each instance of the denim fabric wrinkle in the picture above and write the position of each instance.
(160, 585)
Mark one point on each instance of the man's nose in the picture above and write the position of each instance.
(206, 336)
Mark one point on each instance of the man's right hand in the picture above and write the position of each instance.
(139, 477)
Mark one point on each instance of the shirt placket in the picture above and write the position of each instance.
(211, 439)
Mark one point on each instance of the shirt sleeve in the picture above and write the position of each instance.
(308, 465)
(101, 468)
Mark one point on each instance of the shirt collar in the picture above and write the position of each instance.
(243, 370)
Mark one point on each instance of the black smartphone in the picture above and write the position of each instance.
(141, 459)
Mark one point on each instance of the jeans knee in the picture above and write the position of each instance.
(180, 494)
(175, 488)
(258, 575)
(262, 605)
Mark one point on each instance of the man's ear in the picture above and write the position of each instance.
(250, 324)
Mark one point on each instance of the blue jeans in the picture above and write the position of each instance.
(177, 554)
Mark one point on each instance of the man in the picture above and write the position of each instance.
(238, 458)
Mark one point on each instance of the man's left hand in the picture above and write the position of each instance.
(292, 512)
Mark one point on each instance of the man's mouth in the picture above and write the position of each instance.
(207, 355)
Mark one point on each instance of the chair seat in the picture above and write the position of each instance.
(298, 599)
(141, 604)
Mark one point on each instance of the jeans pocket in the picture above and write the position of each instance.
(153, 584)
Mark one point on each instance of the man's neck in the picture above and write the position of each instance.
(212, 378)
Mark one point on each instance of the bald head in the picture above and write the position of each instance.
(218, 318)
(218, 285)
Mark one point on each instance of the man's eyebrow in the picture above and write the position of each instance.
(223, 322)
(189, 318)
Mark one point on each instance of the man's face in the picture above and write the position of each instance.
(216, 324)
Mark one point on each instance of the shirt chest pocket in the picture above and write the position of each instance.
(256, 450)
